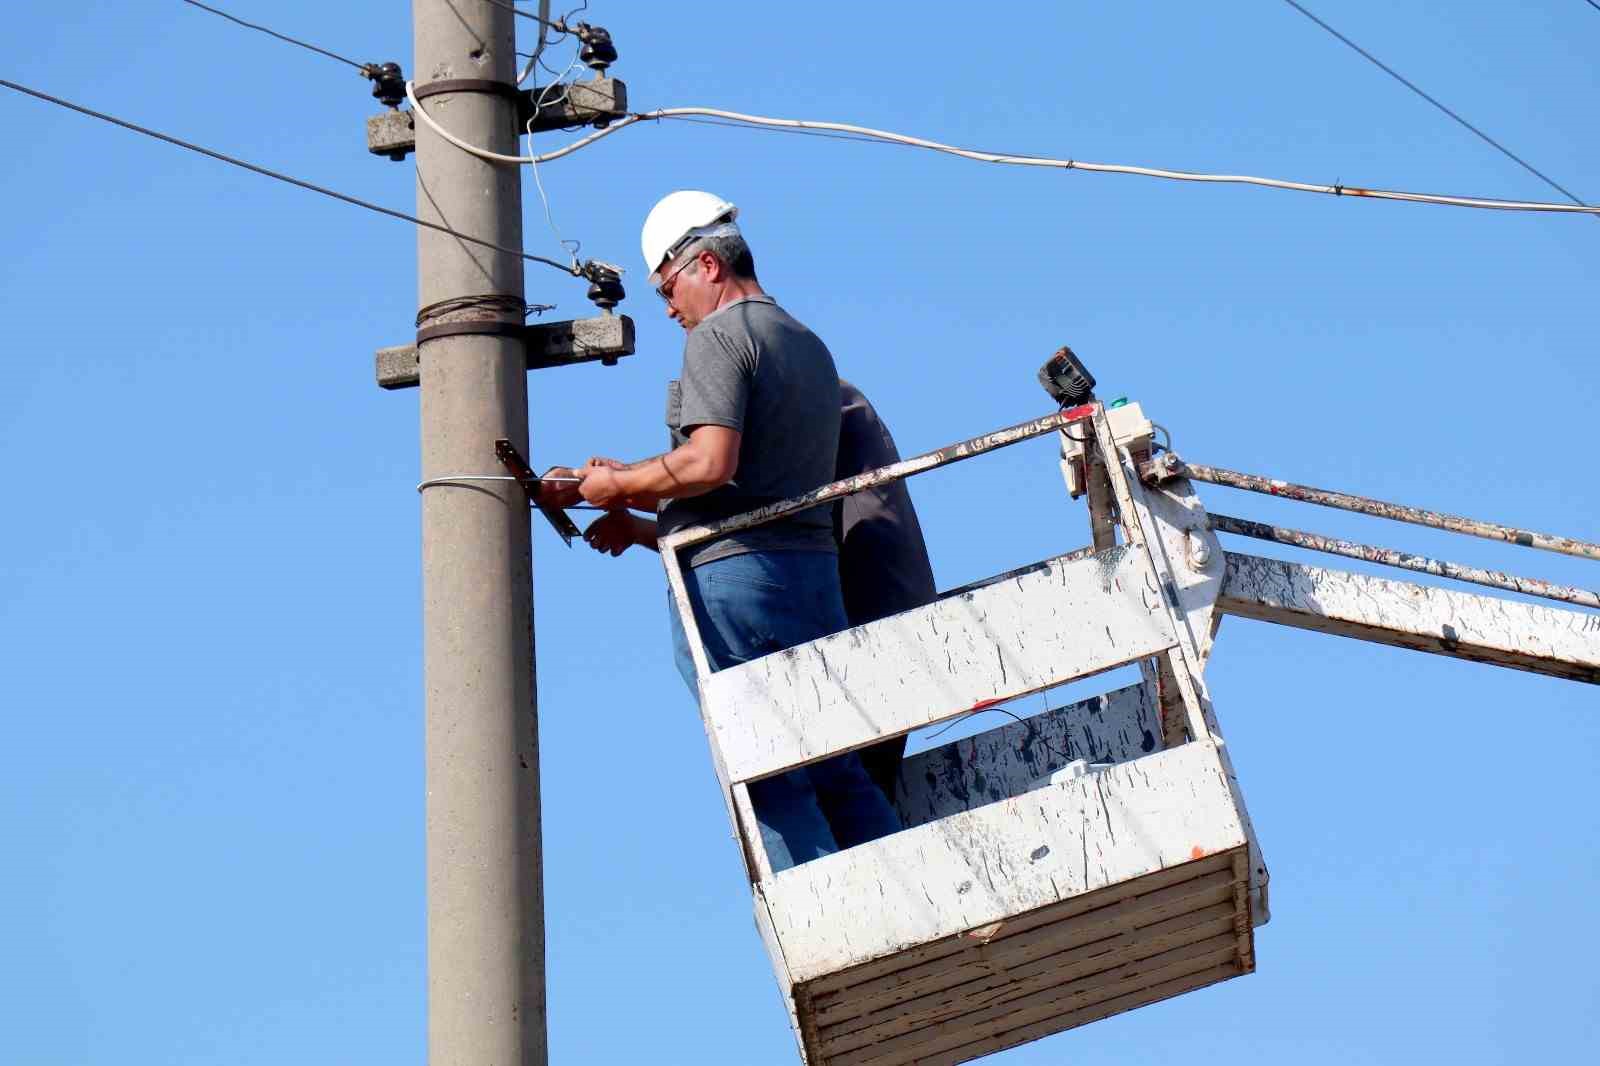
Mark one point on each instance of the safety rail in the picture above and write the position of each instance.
(952, 453)
(1169, 465)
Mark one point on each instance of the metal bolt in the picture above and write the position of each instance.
(1198, 551)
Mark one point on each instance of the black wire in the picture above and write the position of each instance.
(363, 67)
(1594, 5)
(1508, 153)
(1033, 730)
(563, 267)
(559, 25)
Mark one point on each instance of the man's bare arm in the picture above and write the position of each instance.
(708, 461)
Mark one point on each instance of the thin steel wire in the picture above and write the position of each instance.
(363, 67)
(1397, 76)
(276, 176)
(559, 25)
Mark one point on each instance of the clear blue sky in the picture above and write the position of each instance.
(211, 780)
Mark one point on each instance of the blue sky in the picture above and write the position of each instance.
(211, 785)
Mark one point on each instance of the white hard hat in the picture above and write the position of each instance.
(679, 215)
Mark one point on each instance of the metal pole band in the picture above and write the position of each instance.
(466, 85)
(481, 327)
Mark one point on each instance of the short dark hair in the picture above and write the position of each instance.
(734, 253)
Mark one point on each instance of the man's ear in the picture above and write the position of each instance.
(712, 267)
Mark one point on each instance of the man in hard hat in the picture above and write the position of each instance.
(883, 560)
(754, 418)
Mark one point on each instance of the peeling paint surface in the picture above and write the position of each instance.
(1018, 757)
(1065, 620)
(1524, 636)
(977, 867)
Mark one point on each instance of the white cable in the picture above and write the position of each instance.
(456, 479)
(572, 247)
(1070, 164)
(493, 157)
(1010, 160)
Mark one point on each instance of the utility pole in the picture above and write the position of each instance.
(486, 987)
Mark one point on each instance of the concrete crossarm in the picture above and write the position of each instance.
(1523, 636)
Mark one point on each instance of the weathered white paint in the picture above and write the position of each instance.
(1047, 1004)
(805, 1032)
(981, 1002)
(1524, 636)
(1052, 954)
(1177, 517)
(1059, 622)
(1145, 522)
(952, 950)
(1002, 859)
(1012, 758)
(1083, 1015)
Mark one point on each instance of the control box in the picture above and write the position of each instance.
(1129, 428)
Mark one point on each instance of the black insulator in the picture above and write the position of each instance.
(388, 83)
(605, 288)
(598, 51)
(1066, 379)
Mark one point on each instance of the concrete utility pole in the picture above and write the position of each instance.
(486, 991)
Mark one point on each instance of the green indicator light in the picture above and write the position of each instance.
(1120, 401)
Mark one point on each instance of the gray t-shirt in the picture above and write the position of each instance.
(752, 367)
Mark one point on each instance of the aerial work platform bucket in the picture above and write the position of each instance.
(1051, 872)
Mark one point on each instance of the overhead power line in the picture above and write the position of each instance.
(275, 175)
(812, 127)
(363, 67)
(1397, 76)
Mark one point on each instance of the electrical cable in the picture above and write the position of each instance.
(457, 479)
(467, 479)
(572, 247)
(1033, 730)
(363, 67)
(1502, 149)
(481, 153)
(276, 176)
(806, 125)
(1594, 5)
(558, 25)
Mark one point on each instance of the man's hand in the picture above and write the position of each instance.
(559, 494)
(601, 487)
(614, 532)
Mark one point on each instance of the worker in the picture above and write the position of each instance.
(883, 560)
(754, 418)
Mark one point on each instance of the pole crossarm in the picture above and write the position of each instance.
(1169, 465)
(1522, 636)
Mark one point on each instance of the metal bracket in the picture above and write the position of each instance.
(597, 102)
(533, 485)
(606, 338)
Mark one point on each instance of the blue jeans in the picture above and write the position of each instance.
(754, 604)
